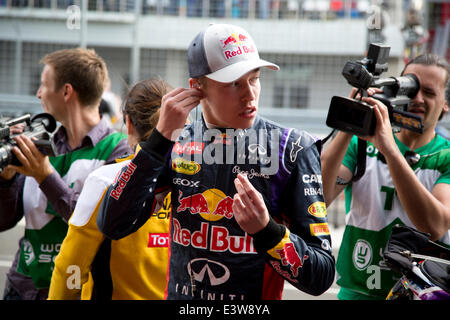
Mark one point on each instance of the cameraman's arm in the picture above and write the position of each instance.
(332, 166)
(428, 211)
(11, 186)
(37, 165)
(11, 209)
(332, 156)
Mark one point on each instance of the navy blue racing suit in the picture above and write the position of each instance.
(211, 257)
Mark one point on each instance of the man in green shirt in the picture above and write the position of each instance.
(45, 189)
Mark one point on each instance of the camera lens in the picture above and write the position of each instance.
(5, 155)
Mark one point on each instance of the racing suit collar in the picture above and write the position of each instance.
(211, 126)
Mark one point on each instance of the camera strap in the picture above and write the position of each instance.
(360, 160)
(360, 164)
(324, 140)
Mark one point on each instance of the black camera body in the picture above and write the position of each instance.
(38, 128)
(352, 116)
(355, 116)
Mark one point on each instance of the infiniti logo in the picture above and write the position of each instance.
(257, 147)
(217, 272)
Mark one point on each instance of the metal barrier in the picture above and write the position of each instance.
(247, 9)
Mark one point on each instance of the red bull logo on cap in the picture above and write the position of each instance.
(234, 38)
(211, 205)
(237, 45)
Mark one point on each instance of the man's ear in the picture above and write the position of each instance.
(67, 91)
(194, 83)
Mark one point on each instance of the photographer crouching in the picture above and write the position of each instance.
(406, 181)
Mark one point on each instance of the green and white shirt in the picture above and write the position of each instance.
(44, 228)
(48, 206)
(372, 208)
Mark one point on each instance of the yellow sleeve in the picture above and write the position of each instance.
(73, 263)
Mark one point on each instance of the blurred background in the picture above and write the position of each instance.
(309, 39)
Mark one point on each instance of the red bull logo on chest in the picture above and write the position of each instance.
(211, 205)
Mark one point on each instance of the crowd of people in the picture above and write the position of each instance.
(228, 206)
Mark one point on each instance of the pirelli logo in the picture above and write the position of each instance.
(319, 229)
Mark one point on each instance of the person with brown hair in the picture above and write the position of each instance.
(45, 189)
(134, 267)
(407, 182)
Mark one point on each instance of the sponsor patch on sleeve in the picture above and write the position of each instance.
(319, 229)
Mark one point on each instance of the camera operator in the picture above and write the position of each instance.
(407, 181)
(45, 189)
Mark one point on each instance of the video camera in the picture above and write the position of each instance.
(39, 127)
(356, 116)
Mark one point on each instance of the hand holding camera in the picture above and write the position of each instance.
(382, 138)
(25, 143)
(355, 115)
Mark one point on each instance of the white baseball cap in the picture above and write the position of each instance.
(224, 53)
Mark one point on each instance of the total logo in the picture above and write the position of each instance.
(211, 205)
(158, 240)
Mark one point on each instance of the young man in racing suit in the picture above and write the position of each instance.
(247, 204)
